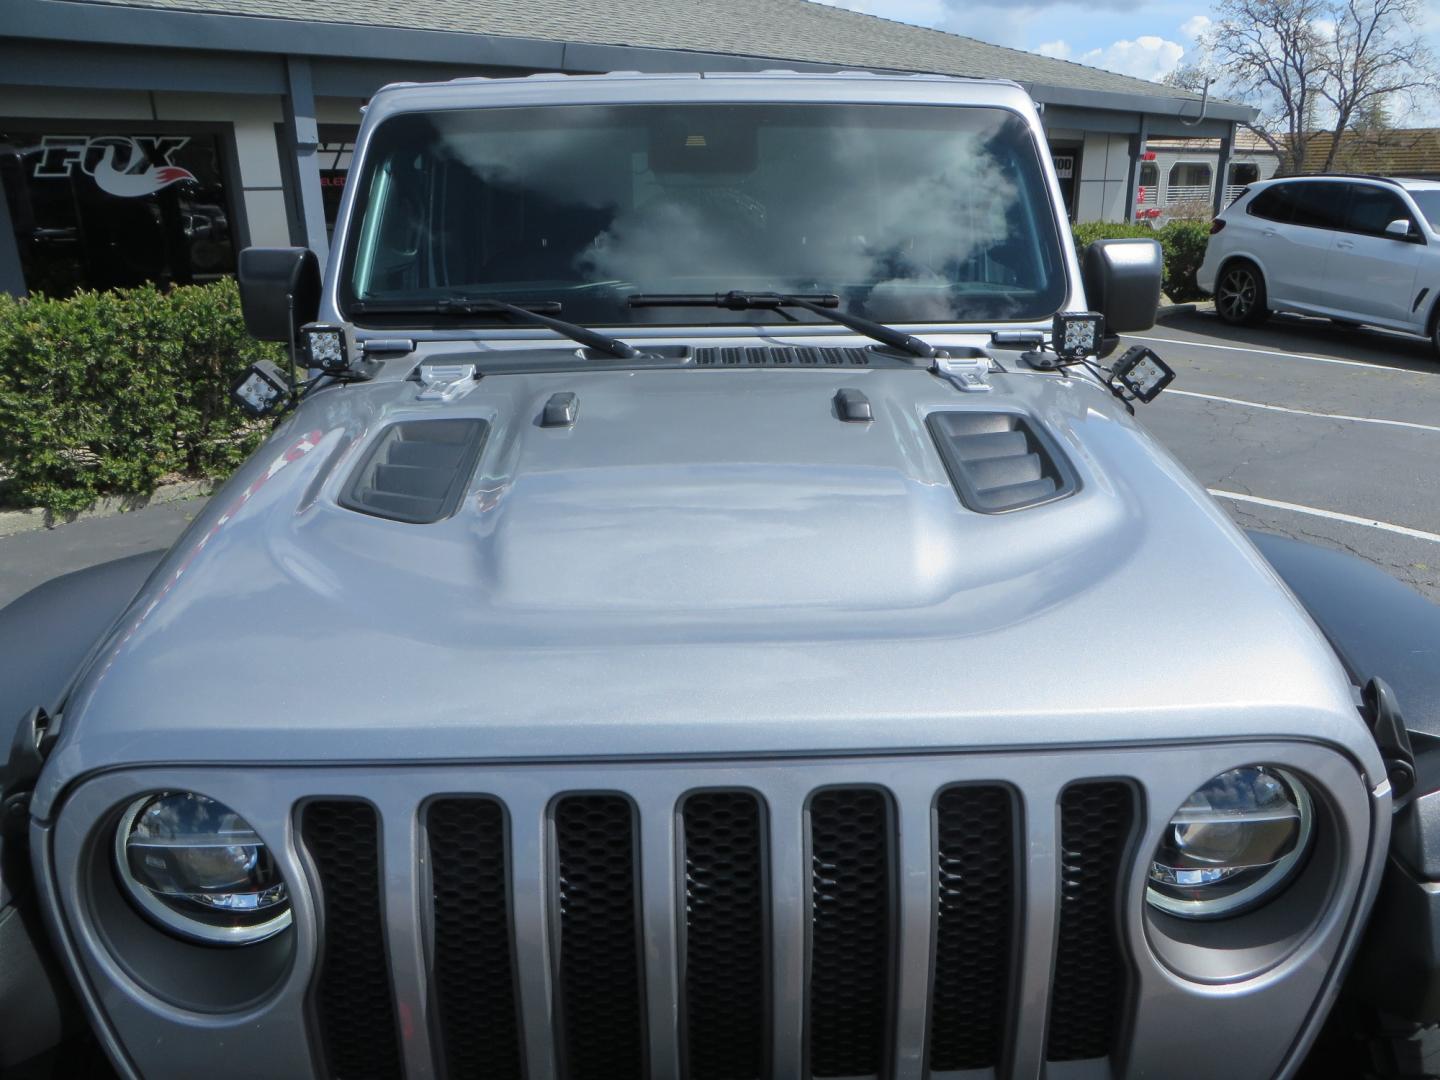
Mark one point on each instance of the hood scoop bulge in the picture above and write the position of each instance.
(416, 471)
(1000, 461)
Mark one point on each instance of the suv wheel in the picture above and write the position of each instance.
(1435, 331)
(1240, 295)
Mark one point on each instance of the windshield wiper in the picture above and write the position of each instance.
(822, 304)
(531, 313)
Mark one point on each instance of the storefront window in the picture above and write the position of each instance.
(337, 144)
(107, 208)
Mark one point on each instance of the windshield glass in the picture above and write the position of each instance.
(1429, 202)
(908, 213)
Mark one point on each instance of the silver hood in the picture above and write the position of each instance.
(708, 562)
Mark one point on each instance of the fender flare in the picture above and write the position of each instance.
(1378, 626)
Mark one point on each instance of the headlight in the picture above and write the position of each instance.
(1234, 844)
(195, 867)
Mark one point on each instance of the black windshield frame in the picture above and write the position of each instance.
(1030, 195)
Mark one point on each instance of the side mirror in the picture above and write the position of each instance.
(279, 291)
(1122, 282)
(1401, 229)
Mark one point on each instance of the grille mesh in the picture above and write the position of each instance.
(850, 943)
(724, 937)
(1089, 985)
(353, 1001)
(474, 975)
(599, 941)
(976, 898)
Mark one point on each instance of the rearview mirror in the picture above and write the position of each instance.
(279, 291)
(1122, 282)
(1400, 229)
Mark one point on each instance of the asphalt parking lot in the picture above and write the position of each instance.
(1307, 429)
(1298, 426)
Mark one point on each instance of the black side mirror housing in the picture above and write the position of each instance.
(1122, 282)
(279, 291)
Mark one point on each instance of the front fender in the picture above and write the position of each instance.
(45, 637)
(1379, 626)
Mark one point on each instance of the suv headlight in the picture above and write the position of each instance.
(1233, 844)
(198, 869)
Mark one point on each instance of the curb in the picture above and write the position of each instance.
(1174, 309)
(13, 522)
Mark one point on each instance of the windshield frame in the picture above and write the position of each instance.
(339, 293)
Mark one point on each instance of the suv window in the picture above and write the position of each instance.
(1372, 208)
(1274, 203)
(1320, 204)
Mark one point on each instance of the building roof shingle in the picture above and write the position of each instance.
(793, 30)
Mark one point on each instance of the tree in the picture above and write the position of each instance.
(1311, 62)
(1372, 55)
(1272, 49)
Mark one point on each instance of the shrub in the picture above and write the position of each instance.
(1182, 245)
(106, 393)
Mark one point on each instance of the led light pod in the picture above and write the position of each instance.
(1142, 373)
(325, 346)
(1077, 334)
(261, 390)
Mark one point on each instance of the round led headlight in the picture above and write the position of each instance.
(195, 867)
(1233, 844)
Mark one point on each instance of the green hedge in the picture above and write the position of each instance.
(109, 393)
(1183, 244)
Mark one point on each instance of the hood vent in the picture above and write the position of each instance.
(416, 471)
(781, 356)
(1000, 461)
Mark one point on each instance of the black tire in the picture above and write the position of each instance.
(1240, 294)
(1435, 330)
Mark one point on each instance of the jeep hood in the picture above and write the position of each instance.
(706, 562)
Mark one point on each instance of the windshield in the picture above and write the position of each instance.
(907, 213)
(1429, 202)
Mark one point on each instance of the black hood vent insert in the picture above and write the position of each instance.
(1000, 461)
(416, 471)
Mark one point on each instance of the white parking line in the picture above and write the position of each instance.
(1267, 352)
(1306, 412)
(1349, 519)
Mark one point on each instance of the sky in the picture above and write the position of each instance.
(1144, 38)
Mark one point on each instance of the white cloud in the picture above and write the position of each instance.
(1194, 26)
(1147, 57)
(1058, 50)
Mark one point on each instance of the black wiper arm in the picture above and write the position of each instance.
(822, 304)
(531, 313)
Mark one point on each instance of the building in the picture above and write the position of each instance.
(1178, 173)
(151, 139)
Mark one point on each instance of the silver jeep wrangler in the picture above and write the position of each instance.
(709, 613)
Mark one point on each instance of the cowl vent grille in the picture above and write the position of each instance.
(1000, 461)
(416, 470)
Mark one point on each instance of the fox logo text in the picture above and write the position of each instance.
(122, 165)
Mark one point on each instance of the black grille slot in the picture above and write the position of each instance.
(600, 995)
(781, 356)
(975, 842)
(474, 971)
(353, 1004)
(1000, 461)
(1088, 991)
(725, 969)
(851, 938)
(416, 471)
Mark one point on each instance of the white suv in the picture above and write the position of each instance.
(1356, 249)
